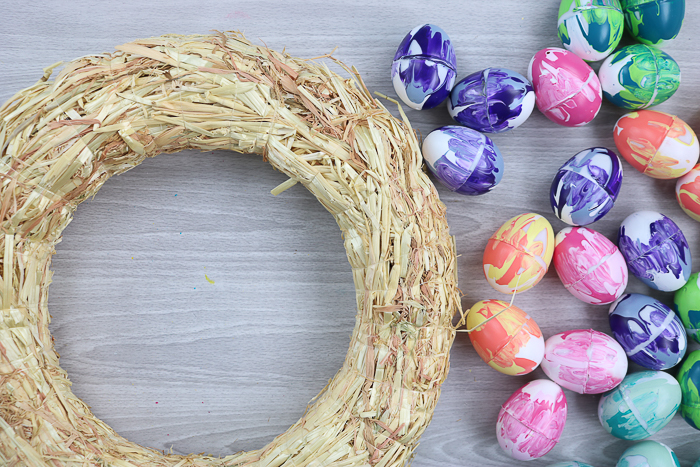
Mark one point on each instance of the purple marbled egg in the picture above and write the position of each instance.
(650, 332)
(586, 186)
(492, 100)
(656, 250)
(423, 72)
(464, 160)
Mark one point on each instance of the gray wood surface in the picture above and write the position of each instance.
(173, 361)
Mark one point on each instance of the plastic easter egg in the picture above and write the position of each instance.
(531, 420)
(638, 76)
(517, 256)
(586, 186)
(591, 29)
(656, 250)
(567, 89)
(492, 100)
(653, 22)
(505, 337)
(688, 193)
(640, 406)
(464, 160)
(424, 68)
(589, 265)
(689, 379)
(650, 332)
(648, 454)
(585, 361)
(570, 464)
(687, 304)
(657, 144)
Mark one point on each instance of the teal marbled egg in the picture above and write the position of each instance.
(648, 454)
(591, 29)
(640, 406)
(689, 379)
(639, 76)
(653, 21)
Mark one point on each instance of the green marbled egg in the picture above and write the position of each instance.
(689, 379)
(639, 76)
(653, 21)
(687, 304)
(648, 454)
(640, 406)
(591, 29)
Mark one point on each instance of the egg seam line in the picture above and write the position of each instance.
(579, 9)
(656, 333)
(484, 91)
(656, 83)
(633, 408)
(427, 57)
(526, 425)
(655, 247)
(590, 179)
(585, 83)
(590, 270)
(522, 326)
(523, 250)
(656, 153)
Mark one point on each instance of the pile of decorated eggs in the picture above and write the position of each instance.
(531, 421)
(464, 160)
(518, 255)
(586, 186)
(656, 250)
(505, 337)
(492, 100)
(585, 361)
(650, 332)
(589, 265)
(657, 144)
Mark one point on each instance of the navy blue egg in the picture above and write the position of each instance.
(424, 67)
(656, 250)
(492, 100)
(652, 335)
(586, 186)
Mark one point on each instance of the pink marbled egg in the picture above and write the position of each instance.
(532, 419)
(585, 361)
(589, 265)
(567, 90)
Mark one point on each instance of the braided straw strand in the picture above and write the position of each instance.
(102, 115)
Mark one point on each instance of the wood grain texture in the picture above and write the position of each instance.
(173, 361)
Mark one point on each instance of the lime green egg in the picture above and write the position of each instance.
(687, 305)
(639, 76)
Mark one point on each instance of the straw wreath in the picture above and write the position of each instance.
(61, 139)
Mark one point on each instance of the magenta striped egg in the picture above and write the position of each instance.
(589, 265)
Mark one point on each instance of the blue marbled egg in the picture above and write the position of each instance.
(492, 100)
(640, 406)
(652, 335)
(586, 186)
(424, 68)
(656, 250)
(464, 160)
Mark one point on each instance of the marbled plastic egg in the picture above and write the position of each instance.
(689, 379)
(653, 21)
(639, 76)
(586, 186)
(589, 265)
(656, 250)
(424, 68)
(464, 160)
(570, 464)
(686, 301)
(640, 406)
(517, 256)
(650, 332)
(591, 29)
(532, 419)
(688, 192)
(492, 100)
(505, 337)
(657, 144)
(567, 89)
(648, 454)
(585, 361)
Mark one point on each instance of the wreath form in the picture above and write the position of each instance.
(61, 140)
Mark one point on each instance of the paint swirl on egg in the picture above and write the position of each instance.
(688, 193)
(654, 22)
(689, 379)
(591, 29)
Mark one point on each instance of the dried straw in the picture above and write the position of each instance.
(62, 139)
